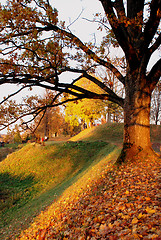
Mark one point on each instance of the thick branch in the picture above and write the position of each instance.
(155, 74)
(153, 22)
(111, 94)
(119, 100)
(156, 44)
(134, 7)
(91, 95)
(119, 6)
(87, 50)
(118, 28)
(123, 33)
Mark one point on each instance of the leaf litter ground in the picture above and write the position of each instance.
(115, 203)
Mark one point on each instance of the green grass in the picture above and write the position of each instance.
(31, 178)
(34, 176)
(113, 133)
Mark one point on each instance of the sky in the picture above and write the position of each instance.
(76, 14)
(71, 9)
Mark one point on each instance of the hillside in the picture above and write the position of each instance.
(106, 132)
(75, 174)
(113, 133)
(106, 203)
(32, 177)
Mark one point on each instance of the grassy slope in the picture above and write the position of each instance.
(40, 174)
(108, 202)
(112, 133)
(31, 178)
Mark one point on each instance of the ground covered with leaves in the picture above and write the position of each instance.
(112, 203)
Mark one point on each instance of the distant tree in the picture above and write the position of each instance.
(8, 137)
(25, 136)
(113, 111)
(156, 105)
(36, 49)
(17, 137)
(50, 122)
(13, 135)
(85, 111)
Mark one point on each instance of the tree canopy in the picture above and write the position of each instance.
(36, 48)
(85, 111)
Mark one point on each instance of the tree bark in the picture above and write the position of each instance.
(136, 121)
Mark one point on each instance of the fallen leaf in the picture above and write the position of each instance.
(110, 225)
(141, 215)
(134, 221)
(103, 229)
(150, 210)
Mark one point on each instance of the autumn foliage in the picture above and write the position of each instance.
(114, 203)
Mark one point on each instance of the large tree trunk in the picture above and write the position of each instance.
(136, 122)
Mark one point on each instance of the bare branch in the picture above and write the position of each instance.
(87, 50)
(96, 21)
(38, 122)
(153, 22)
(118, 26)
(75, 19)
(155, 74)
(15, 93)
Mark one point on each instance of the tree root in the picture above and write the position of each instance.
(132, 153)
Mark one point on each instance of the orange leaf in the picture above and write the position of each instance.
(147, 198)
(110, 225)
(134, 221)
(150, 210)
(141, 215)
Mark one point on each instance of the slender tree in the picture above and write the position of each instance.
(51, 121)
(156, 105)
(36, 50)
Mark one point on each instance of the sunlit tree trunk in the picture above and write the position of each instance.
(136, 121)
